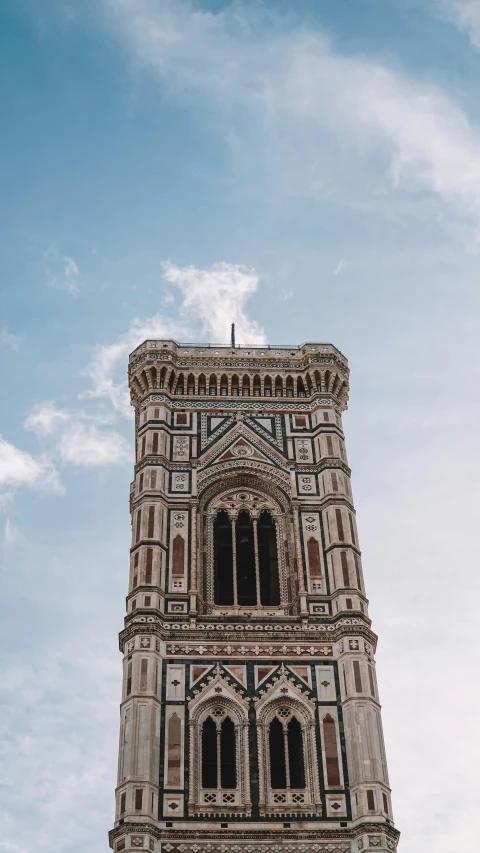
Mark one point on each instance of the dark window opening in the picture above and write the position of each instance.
(246, 584)
(223, 559)
(295, 754)
(278, 773)
(228, 757)
(268, 561)
(209, 754)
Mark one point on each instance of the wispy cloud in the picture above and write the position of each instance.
(341, 267)
(19, 468)
(8, 340)
(212, 297)
(78, 437)
(465, 14)
(289, 79)
(11, 532)
(61, 271)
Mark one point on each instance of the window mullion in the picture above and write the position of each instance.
(234, 555)
(257, 561)
(219, 756)
(287, 760)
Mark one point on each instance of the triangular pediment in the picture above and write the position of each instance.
(242, 443)
(220, 686)
(283, 687)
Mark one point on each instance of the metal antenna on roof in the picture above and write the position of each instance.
(233, 334)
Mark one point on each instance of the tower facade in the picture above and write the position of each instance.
(250, 715)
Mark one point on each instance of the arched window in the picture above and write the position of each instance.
(268, 387)
(287, 766)
(235, 386)
(219, 753)
(191, 384)
(224, 386)
(300, 387)
(163, 374)
(213, 385)
(202, 384)
(331, 751)
(245, 569)
(246, 386)
(223, 559)
(180, 384)
(289, 386)
(256, 386)
(246, 582)
(278, 387)
(209, 754)
(171, 381)
(268, 561)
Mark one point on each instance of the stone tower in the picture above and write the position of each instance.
(250, 714)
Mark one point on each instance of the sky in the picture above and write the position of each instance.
(311, 168)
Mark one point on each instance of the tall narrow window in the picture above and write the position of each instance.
(223, 559)
(331, 751)
(174, 750)
(144, 441)
(268, 561)
(338, 516)
(370, 801)
(345, 572)
(371, 681)
(140, 483)
(123, 804)
(209, 754)
(143, 674)
(247, 594)
(329, 445)
(129, 678)
(155, 443)
(278, 771)
(135, 570)
(357, 676)
(228, 755)
(352, 529)
(148, 566)
(334, 483)
(151, 522)
(295, 754)
(139, 525)
(138, 799)
(153, 480)
(357, 571)
(178, 555)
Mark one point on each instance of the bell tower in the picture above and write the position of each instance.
(250, 717)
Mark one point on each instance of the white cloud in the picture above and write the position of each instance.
(211, 299)
(78, 439)
(19, 468)
(290, 80)
(62, 271)
(87, 445)
(11, 532)
(8, 340)
(466, 15)
(45, 418)
(341, 266)
(216, 296)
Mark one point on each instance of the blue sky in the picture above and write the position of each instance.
(313, 169)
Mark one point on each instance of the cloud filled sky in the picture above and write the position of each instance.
(313, 170)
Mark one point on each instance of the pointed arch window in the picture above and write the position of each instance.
(268, 387)
(278, 387)
(219, 752)
(287, 763)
